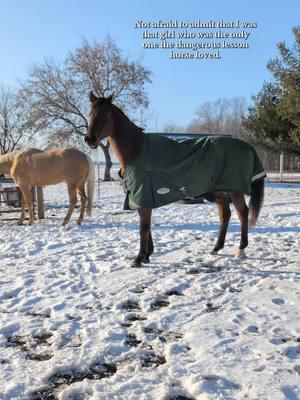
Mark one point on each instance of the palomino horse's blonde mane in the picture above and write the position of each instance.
(9, 157)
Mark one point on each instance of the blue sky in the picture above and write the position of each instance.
(31, 30)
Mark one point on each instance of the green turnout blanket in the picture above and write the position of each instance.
(166, 171)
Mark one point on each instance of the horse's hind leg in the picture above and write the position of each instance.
(73, 202)
(82, 195)
(146, 243)
(224, 217)
(242, 212)
(26, 193)
(22, 216)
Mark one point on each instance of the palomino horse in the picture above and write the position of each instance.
(128, 141)
(33, 167)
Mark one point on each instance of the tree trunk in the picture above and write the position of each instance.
(108, 162)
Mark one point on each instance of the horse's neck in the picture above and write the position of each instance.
(6, 161)
(127, 140)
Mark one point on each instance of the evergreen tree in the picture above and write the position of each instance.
(274, 119)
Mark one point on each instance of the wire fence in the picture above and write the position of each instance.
(287, 176)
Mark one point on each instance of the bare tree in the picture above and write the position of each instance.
(172, 127)
(236, 116)
(58, 93)
(209, 117)
(220, 117)
(102, 67)
(15, 126)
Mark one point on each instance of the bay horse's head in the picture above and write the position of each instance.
(100, 123)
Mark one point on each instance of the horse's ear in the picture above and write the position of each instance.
(109, 98)
(93, 98)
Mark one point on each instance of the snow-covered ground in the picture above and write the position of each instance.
(78, 323)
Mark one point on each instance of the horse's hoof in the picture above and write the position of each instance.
(78, 222)
(240, 253)
(136, 264)
(146, 260)
(214, 252)
(20, 223)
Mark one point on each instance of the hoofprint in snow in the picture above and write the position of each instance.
(77, 323)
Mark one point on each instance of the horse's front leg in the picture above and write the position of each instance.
(146, 243)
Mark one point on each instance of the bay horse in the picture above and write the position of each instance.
(34, 167)
(127, 141)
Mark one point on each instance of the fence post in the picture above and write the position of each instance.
(281, 159)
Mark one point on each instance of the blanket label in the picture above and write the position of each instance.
(163, 190)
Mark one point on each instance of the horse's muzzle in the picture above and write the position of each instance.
(91, 142)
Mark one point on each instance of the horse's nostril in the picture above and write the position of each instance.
(90, 141)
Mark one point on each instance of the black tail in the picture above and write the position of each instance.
(256, 200)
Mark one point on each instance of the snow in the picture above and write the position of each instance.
(78, 323)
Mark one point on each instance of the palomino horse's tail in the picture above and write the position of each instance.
(90, 185)
(256, 201)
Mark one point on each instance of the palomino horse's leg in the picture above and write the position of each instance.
(146, 243)
(26, 193)
(224, 216)
(22, 216)
(73, 202)
(82, 195)
(242, 212)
